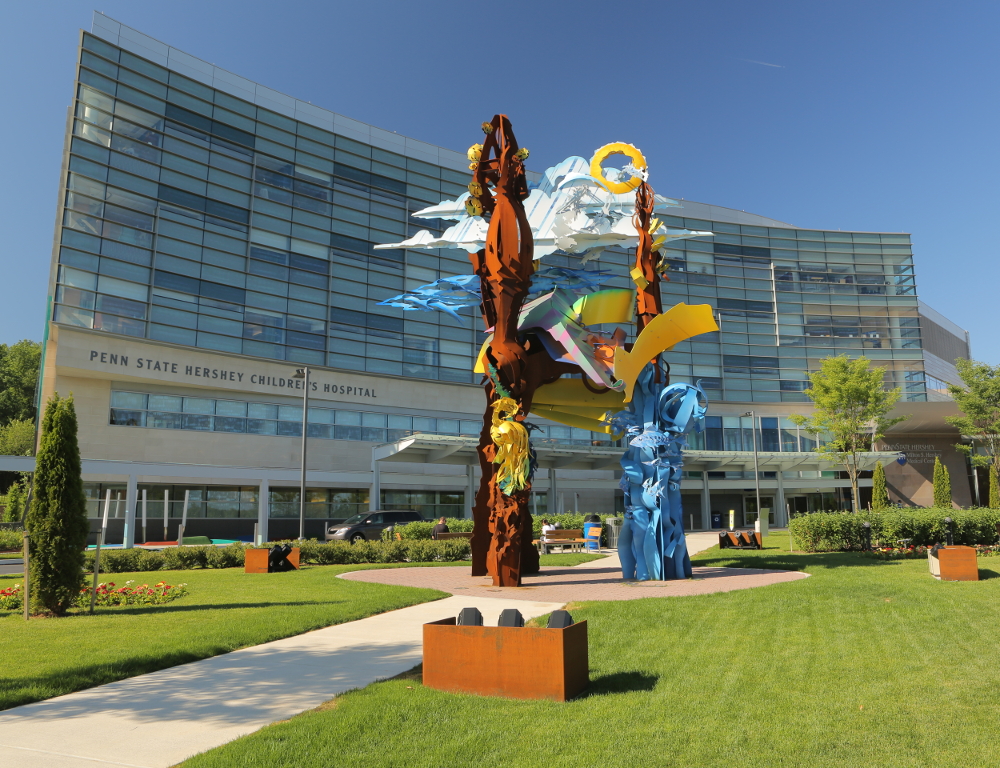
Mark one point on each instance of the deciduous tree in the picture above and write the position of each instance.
(979, 402)
(57, 519)
(18, 377)
(851, 411)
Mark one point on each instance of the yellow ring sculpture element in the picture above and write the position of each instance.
(618, 148)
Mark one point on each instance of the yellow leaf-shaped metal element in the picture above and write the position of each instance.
(618, 148)
(473, 166)
(475, 188)
(473, 207)
(522, 153)
(653, 226)
(475, 152)
(638, 278)
(487, 128)
(511, 439)
(614, 305)
(658, 243)
(680, 322)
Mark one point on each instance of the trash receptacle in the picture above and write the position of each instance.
(614, 528)
(716, 519)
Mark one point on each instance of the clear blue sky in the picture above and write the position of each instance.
(848, 115)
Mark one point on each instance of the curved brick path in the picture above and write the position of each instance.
(597, 580)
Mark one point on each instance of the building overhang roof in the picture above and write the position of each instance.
(445, 449)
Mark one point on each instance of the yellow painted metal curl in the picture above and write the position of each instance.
(618, 148)
(511, 439)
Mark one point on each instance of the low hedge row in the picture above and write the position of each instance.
(569, 520)
(311, 551)
(844, 531)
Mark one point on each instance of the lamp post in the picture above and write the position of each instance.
(303, 373)
(761, 526)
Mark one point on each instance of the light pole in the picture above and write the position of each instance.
(303, 373)
(756, 473)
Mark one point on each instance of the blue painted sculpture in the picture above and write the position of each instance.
(651, 544)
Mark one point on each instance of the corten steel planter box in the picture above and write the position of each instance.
(256, 560)
(516, 662)
(955, 563)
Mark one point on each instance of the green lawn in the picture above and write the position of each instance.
(866, 663)
(225, 610)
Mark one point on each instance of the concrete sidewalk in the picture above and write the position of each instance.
(158, 720)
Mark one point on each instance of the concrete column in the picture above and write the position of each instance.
(470, 489)
(553, 505)
(706, 503)
(131, 493)
(263, 511)
(375, 495)
(780, 512)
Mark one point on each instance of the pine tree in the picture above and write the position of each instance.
(880, 493)
(57, 520)
(994, 488)
(15, 500)
(942, 485)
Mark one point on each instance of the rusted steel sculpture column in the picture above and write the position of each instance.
(645, 274)
(501, 538)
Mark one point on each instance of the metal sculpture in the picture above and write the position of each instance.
(578, 208)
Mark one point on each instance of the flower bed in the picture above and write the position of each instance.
(111, 595)
(108, 594)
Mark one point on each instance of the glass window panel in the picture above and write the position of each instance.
(123, 307)
(115, 287)
(230, 408)
(348, 417)
(134, 400)
(422, 424)
(321, 416)
(400, 422)
(263, 411)
(449, 426)
(373, 419)
(261, 427)
(199, 405)
(165, 403)
(230, 424)
(289, 413)
(196, 422)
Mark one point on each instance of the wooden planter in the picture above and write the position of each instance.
(256, 560)
(953, 563)
(516, 662)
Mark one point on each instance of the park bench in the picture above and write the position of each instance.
(740, 540)
(568, 537)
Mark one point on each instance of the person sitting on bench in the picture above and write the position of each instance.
(441, 527)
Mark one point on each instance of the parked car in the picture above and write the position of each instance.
(369, 526)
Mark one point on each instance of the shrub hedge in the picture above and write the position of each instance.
(458, 525)
(311, 551)
(11, 540)
(842, 531)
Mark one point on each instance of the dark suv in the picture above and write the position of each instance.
(369, 526)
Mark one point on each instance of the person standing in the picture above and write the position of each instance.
(441, 527)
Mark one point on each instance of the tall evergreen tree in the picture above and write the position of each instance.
(880, 492)
(57, 520)
(14, 508)
(851, 412)
(942, 484)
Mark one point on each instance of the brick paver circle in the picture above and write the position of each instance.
(564, 585)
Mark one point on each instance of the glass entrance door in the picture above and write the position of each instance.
(750, 505)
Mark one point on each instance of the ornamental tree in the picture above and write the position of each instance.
(851, 406)
(942, 484)
(57, 520)
(880, 492)
(994, 489)
(979, 402)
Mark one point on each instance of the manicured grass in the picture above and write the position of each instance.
(865, 663)
(567, 559)
(226, 610)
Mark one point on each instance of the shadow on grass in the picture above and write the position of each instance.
(787, 561)
(620, 682)
(139, 610)
(985, 573)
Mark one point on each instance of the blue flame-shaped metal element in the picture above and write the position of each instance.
(651, 545)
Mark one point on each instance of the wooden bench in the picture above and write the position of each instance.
(560, 537)
(457, 535)
(740, 540)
